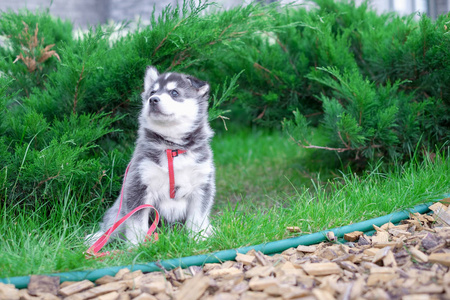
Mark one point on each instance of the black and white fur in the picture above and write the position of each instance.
(174, 116)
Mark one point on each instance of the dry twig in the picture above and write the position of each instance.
(32, 56)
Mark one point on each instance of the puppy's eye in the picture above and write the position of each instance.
(152, 92)
(174, 93)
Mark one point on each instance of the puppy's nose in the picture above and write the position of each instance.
(153, 100)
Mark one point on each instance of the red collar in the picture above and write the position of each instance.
(170, 155)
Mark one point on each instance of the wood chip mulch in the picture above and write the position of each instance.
(409, 261)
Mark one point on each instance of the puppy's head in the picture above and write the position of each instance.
(171, 99)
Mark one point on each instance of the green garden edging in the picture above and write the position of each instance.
(224, 255)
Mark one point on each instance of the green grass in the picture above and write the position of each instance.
(264, 167)
(265, 183)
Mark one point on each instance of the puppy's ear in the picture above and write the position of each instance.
(151, 74)
(201, 86)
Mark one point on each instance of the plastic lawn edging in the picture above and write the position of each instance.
(224, 255)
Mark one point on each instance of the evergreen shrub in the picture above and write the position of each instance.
(390, 98)
(69, 121)
(379, 84)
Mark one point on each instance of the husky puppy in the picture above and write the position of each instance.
(174, 116)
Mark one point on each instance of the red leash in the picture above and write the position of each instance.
(98, 245)
(170, 155)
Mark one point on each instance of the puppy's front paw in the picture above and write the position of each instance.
(209, 231)
(135, 238)
(203, 234)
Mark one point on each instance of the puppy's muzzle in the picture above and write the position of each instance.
(155, 106)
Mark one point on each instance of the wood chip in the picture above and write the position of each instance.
(322, 294)
(250, 295)
(399, 232)
(262, 271)
(259, 284)
(109, 296)
(440, 212)
(387, 226)
(279, 290)
(245, 259)
(23, 295)
(418, 255)
(349, 266)
(119, 275)
(440, 258)
(321, 269)
(98, 290)
(380, 254)
(375, 279)
(76, 287)
(9, 291)
(428, 289)
(153, 287)
(364, 240)
(445, 201)
(105, 279)
(179, 274)
(378, 229)
(66, 283)
(353, 236)
(132, 275)
(331, 237)
(416, 297)
(289, 252)
(227, 264)
(389, 260)
(43, 284)
(193, 288)
(224, 272)
(371, 251)
(296, 293)
(293, 229)
(307, 249)
(222, 296)
(381, 237)
(382, 270)
(260, 258)
(240, 288)
(145, 296)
